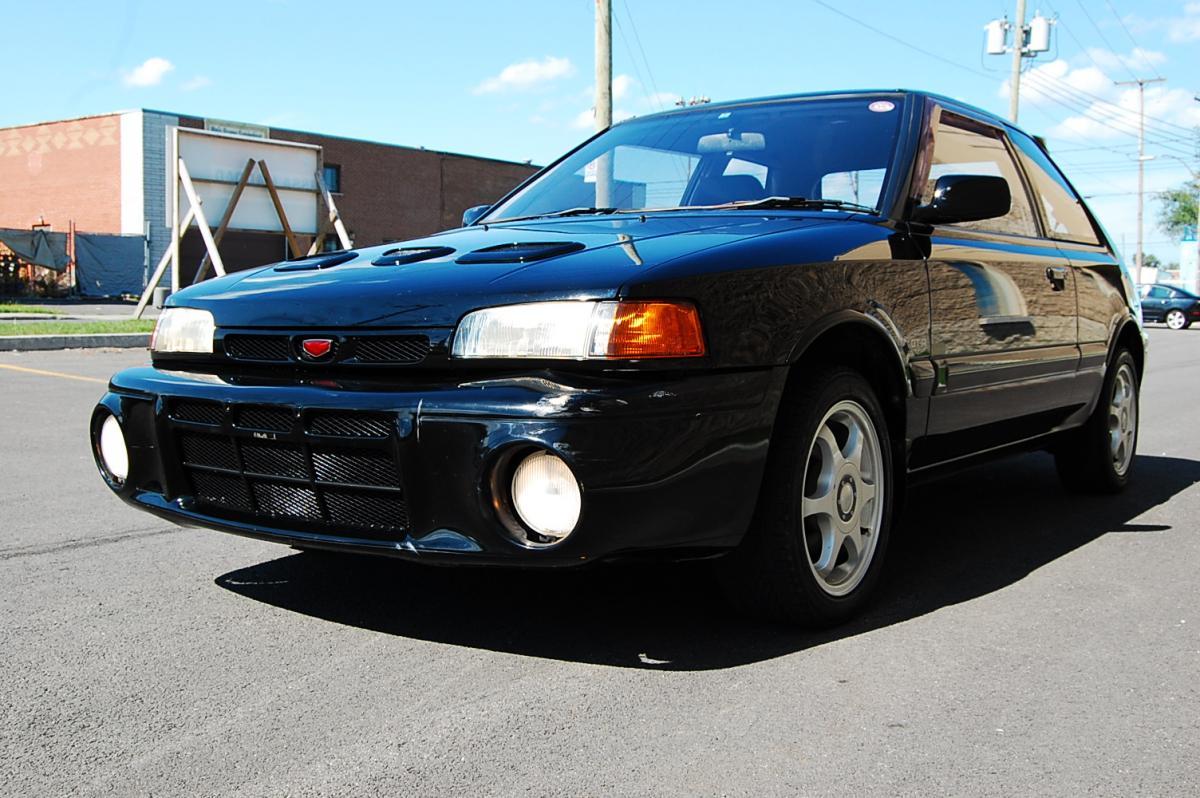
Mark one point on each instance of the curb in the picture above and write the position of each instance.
(33, 343)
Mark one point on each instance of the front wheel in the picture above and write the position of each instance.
(1177, 320)
(817, 543)
(1098, 457)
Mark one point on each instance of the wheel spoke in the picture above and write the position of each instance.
(831, 453)
(853, 451)
(824, 504)
(831, 546)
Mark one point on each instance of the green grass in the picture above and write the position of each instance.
(69, 327)
(12, 307)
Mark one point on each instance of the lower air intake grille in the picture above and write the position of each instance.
(350, 425)
(391, 349)
(296, 479)
(197, 412)
(263, 348)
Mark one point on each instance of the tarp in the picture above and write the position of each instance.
(109, 265)
(38, 247)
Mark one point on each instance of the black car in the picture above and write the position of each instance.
(735, 330)
(1170, 305)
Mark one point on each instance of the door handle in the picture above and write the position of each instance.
(1057, 275)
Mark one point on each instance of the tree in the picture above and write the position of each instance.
(1177, 209)
(1151, 261)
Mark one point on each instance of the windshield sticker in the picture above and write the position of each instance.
(881, 106)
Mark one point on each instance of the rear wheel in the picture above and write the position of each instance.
(1098, 457)
(1177, 319)
(820, 531)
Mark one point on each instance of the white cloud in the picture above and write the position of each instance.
(526, 75)
(1185, 28)
(149, 73)
(1097, 108)
(621, 85)
(198, 82)
(584, 119)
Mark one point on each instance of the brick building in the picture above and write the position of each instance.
(108, 174)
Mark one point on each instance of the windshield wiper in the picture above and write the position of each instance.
(798, 202)
(555, 214)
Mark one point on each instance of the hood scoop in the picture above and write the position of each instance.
(317, 262)
(521, 253)
(403, 255)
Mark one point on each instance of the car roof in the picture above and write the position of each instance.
(957, 105)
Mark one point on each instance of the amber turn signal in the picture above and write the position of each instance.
(655, 329)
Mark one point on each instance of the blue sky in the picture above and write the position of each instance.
(513, 79)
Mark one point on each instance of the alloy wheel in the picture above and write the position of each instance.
(1123, 419)
(1176, 319)
(844, 483)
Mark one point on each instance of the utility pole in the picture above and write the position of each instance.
(1027, 42)
(604, 166)
(1014, 83)
(1141, 196)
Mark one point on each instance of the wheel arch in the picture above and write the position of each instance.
(1130, 335)
(865, 343)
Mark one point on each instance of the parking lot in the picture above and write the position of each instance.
(1026, 642)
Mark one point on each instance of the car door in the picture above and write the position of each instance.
(1154, 304)
(1100, 285)
(1002, 301)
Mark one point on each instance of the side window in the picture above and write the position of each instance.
(1063, 210)
(1158, 292)
(963, 148)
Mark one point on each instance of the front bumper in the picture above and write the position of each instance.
(666, 463)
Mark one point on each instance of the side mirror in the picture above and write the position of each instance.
(470, 215)
(965, 198)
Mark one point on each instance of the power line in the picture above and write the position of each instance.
(1100, 100)
(638, 39)
(901, 42)
(1133, 41)
(1115, 118)
(1100, 33)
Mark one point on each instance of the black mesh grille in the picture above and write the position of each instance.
(355, 469)
(271, 419)
(268, 348)
(350, 425)
(275, 460)
(365, 509)
(221, 490)
(296, 477)
(197, 412)
(391, 349)
(208, 450)
(287, 500)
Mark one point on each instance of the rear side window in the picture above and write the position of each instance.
(1062, 209)
(1158, 292)
(961, 147)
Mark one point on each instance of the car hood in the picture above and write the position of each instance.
(596, 257)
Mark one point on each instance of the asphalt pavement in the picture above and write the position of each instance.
(1025, 642)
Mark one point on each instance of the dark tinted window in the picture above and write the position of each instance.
(1062, 209)
(332, 175)
(961, 147)
(817, 149)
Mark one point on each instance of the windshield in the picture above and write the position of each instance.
(830, 150)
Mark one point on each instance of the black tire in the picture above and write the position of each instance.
(1182, 321)
(772, 573)
(1084, 457)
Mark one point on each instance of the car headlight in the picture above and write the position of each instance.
(184, 330)
(581, 331)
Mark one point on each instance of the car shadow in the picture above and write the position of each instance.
(963, 537)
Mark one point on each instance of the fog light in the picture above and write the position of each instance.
(546, 496)
(113, 452)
